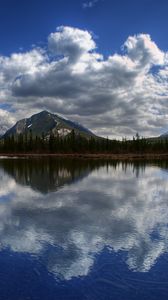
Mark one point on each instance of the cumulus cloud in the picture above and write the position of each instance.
(142, 50)
(70, 42)
(122, 208)
(125, 92)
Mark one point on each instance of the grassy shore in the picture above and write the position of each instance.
(129, 156)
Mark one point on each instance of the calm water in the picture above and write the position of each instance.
(83, 230)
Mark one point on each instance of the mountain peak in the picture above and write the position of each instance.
(44, 112)
(47, 123)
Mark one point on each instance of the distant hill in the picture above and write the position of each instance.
(47, 123)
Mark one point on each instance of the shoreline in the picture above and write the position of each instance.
(129, 156)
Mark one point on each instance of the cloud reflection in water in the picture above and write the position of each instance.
(81, 209)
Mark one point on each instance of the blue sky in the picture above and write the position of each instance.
(23, 23)
(113, 89)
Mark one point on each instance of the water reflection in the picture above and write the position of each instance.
(67, 211)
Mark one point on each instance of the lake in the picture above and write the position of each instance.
(83, 229)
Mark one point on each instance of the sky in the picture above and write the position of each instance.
(102, 63)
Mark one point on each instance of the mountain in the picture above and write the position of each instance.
(47, 123)
(164, 135)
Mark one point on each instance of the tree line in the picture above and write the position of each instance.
(76, 143)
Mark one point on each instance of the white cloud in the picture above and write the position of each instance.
(90, 4)
(116, 96)
(70, 42)
(6, 121)
(142, 50)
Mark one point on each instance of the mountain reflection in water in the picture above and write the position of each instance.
(68, 211)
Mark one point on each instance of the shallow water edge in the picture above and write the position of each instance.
(109, 156)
